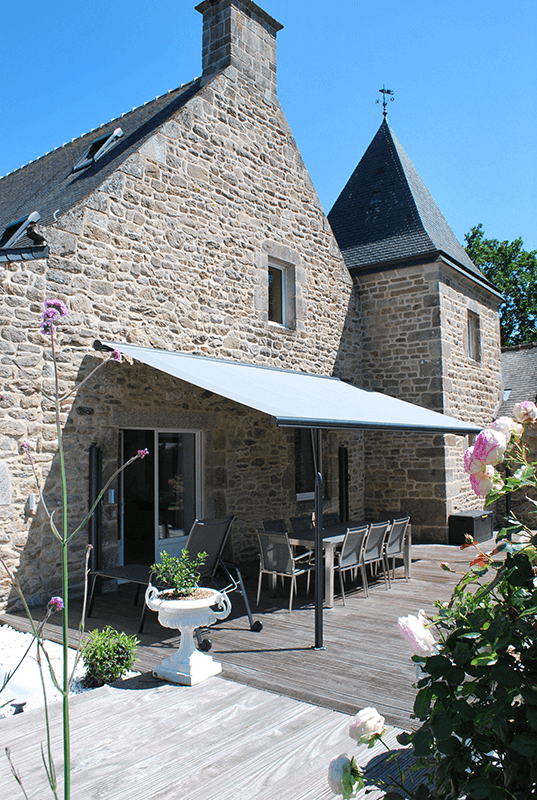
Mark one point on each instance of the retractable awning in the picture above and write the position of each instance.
(295, 399)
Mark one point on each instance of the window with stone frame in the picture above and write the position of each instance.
(277, 294)
(474, 336)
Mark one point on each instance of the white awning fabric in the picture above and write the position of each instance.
(295, 399)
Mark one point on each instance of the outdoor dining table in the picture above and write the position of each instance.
(332, 536)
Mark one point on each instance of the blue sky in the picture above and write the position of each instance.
(464, 75)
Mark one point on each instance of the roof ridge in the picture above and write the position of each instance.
(97, 128)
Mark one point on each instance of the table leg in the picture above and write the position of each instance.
(329, 575)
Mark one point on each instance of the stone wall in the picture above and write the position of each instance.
(172, 252)
(412, 324)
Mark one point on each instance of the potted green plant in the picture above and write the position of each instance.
(186, 606)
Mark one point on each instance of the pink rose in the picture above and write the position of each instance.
(471, 464)
(525, 412)
(483, 482)
(420, 638)
(490, 446)
(510, 429)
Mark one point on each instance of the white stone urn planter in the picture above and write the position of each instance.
(188, 665)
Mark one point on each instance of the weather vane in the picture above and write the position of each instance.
(385, 92)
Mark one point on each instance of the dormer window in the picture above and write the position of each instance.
(15, 230)
(97, 150)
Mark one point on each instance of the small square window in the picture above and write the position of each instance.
(474, 336)
(277, 295)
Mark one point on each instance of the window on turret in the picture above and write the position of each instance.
(474, 336)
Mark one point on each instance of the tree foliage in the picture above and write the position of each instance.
(513, 271)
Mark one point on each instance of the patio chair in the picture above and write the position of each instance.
(299, 524)
(330, 519)
(373, 552)
(349, 557)
(395, 545)
(274, 525)
(210, 536)
(138, 574)
(276, 558)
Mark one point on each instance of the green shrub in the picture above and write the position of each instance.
(107, 655)
(181, 574)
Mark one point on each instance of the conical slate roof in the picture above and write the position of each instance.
(385, 215)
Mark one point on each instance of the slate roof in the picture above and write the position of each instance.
(48, 185)
(519, 373)
(385, 215)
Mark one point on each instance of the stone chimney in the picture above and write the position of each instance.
(239, 33)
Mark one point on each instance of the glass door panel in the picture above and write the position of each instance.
(176, 490)
(159, 493)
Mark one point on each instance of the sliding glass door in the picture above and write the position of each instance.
(161, 493)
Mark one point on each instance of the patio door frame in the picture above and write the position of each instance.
(198, 478)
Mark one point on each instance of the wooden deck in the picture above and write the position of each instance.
(266, 728)
(148, 740)
(366, 662)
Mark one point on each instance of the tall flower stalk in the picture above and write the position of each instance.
(54, 309)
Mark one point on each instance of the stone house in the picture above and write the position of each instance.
(190, 226)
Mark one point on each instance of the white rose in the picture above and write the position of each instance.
(366, 724)
(420, 638)
(339, 771)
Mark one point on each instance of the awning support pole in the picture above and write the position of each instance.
(319, 584)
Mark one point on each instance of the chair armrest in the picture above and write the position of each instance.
(302, 556)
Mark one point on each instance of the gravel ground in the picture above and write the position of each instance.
(24, 689)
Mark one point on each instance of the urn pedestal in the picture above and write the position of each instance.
(188, 665)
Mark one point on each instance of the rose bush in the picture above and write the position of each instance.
(477, 694)
(477, 688)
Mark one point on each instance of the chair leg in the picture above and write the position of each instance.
(364, 579)
(142, 619)
(259, 587)
(89, 611)
(341, 583)
(293, 587)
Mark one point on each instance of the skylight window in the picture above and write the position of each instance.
(15, 230)
(97, 149)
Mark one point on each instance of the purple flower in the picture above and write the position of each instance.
(143, 453)
(53, 309)
(25, 445)
(116, 355)
(55, 604)
(58, 306)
